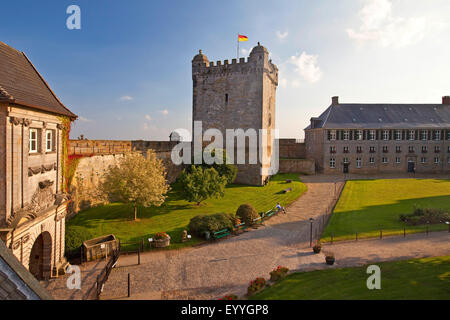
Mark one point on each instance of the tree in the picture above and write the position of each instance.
(200, 183)
(227, 170)
(137, 180)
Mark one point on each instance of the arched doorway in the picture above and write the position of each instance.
(41, 257)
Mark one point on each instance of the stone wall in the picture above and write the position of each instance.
(291, 149)
(95, 147)
(297, 166)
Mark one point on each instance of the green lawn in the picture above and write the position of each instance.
(174, 215)
(421, 279)
(366, 204)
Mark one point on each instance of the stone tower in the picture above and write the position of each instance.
(240, 95)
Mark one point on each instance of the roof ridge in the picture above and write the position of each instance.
(46, 84)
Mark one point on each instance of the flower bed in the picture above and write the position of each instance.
(256, 285)
(229, 297)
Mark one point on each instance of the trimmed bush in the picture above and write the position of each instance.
(212, 223)
(425, 215)
(75, 236)
(247, 213)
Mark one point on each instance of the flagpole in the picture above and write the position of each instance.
(238, 47)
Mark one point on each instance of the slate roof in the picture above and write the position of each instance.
(21, 83)
(19, 283)
(374, 116)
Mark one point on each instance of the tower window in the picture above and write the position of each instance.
(226, 97)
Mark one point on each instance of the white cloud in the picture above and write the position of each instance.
(283, 35)
(307, 67)
(164, 112)
(245, 52)
(148, 117)
(126, 98)
(379, 25)
(83, 119)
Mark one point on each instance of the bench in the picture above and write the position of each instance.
(270, 213)
(258, 220)
(240, 227)
(221, 234)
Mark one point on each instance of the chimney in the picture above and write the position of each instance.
(446, 100)
(335, 100)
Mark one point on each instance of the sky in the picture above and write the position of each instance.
(127, 72)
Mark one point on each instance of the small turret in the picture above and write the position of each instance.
(200, 59)
(259, 54)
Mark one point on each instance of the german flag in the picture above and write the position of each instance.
(242, 38)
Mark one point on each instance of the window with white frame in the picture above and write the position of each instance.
(358, 162)
(424, 135)
(371, 160)
(384, 160)
(412, 135)
(346, 134)
(372, 135)
(345, 160)
(423, 160)
(332, 134)
(436, 160)
(398, 134)
(397, 160)
(385, 134)
(359, 135)
(33, 140)
(437, 135)
(332, 163)
(49, 140)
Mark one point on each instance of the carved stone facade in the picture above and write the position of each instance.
(240, 95)
(32, 206)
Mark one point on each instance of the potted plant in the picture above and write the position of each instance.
(330, 258)
(278, 273)
(161, 240)
(317, 247)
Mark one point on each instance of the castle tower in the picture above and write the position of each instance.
(240, 95)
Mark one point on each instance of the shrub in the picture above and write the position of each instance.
(424, 216)
(212, 223)
(278, 273)
(229, 297)
(75, 236)
(247, 213)
(256, 285)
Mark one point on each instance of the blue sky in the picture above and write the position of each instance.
(127, 72)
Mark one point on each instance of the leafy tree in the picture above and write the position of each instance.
(137, 181)
(200, 183)
(227, 170)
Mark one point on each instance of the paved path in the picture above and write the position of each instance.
(58, 287)
(211, 271)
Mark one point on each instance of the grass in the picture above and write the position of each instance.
(365, 205)
(174, 215)
(421, 279)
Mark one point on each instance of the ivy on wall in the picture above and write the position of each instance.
(65, 133)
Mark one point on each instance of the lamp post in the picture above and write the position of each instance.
(310, 233)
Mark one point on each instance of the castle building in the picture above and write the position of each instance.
(32, 202)
(380, 138)
(240, 95)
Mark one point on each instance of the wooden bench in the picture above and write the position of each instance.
(221, 234)
(258, 220)
(269, 213)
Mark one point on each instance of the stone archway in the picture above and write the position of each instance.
(41, 257)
